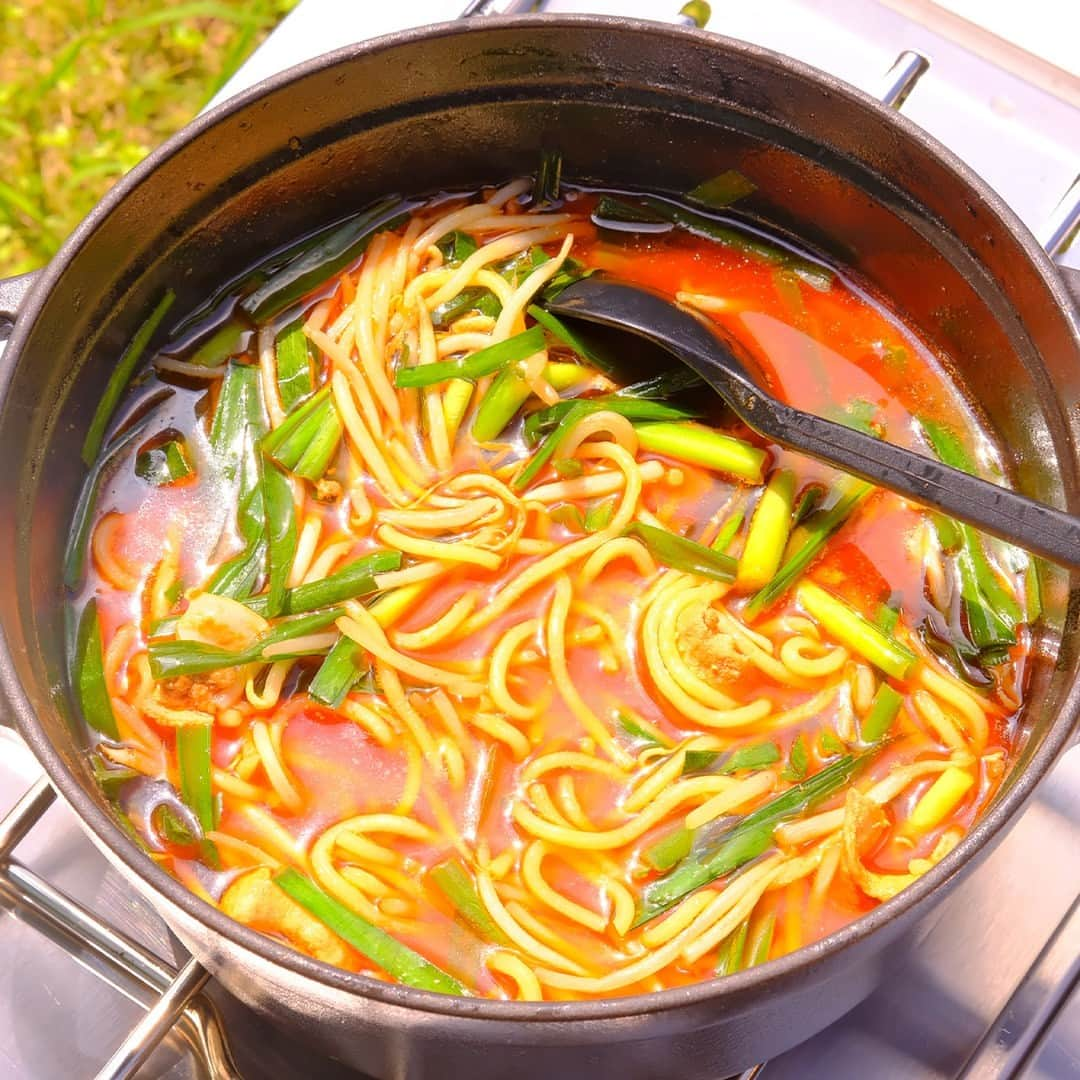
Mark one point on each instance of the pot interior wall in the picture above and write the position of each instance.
(643, 109)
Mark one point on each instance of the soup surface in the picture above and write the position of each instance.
(448, 645)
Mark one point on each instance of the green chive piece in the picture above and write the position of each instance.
(193, 744)
(456, 247)
(302, 413)
(239, 420)
(699, 760)
(697, 444)
(298, 626)
(642, 731)
(306, 441)
(816, 532)
(763, 938)
(750, 837)
(662, 386)
(337, 674)
(479, 300)
(599, 515)
(1032, 592)
(887, 618)
(830, 743)
(281, 536)
(509, 391)
(670, 850)
(171, 658)
(165, 627)
(568, 515)
(638, 401)
(682, 554)
(754, 757)
(732, 949)
(991, 613)
(251, 279)
(883, 712)
(858, 414)
(770, 528)
(548, 178)
(808, 501)
(172, 826)
(568, 468)
(238, 413)
(798, 760)
(456, 883)
(79, 536)
(546, 450)
(322, 449)
(561, 332)
(226, 341)
(728, 532)
(311, 267)
(294, 375)
(544, 420)
(89, 671)
(239, 576)
(164, 462)
(396, 959)
(857, 632)
(111, 778)
(355, 579)
(485, 362)
(120, 377)
(723, 190)
(751, 757)
(650, 209)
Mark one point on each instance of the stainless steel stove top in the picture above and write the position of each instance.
(994, 989)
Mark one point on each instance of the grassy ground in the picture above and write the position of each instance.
(89, 87)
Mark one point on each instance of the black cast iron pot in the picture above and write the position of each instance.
(630, 104)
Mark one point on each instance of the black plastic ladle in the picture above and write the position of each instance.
(1032, 525)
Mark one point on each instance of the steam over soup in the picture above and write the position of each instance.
(426, 633)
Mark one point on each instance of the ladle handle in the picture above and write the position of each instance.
(1032, 525)
(1040, 529)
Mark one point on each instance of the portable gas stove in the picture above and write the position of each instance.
(92, 984)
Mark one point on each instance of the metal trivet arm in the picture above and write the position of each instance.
(179, 1005)
(157, 1023)
(1059, 230)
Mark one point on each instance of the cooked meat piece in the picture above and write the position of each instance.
(194, 691)
(707, 649)
(254, 900)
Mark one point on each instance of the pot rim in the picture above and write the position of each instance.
(740, 986)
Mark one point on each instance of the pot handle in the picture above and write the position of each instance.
(12, 292)
(495, 7)
(1058, 231)
(1071, 278)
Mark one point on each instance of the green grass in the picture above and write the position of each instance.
(89, 87)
